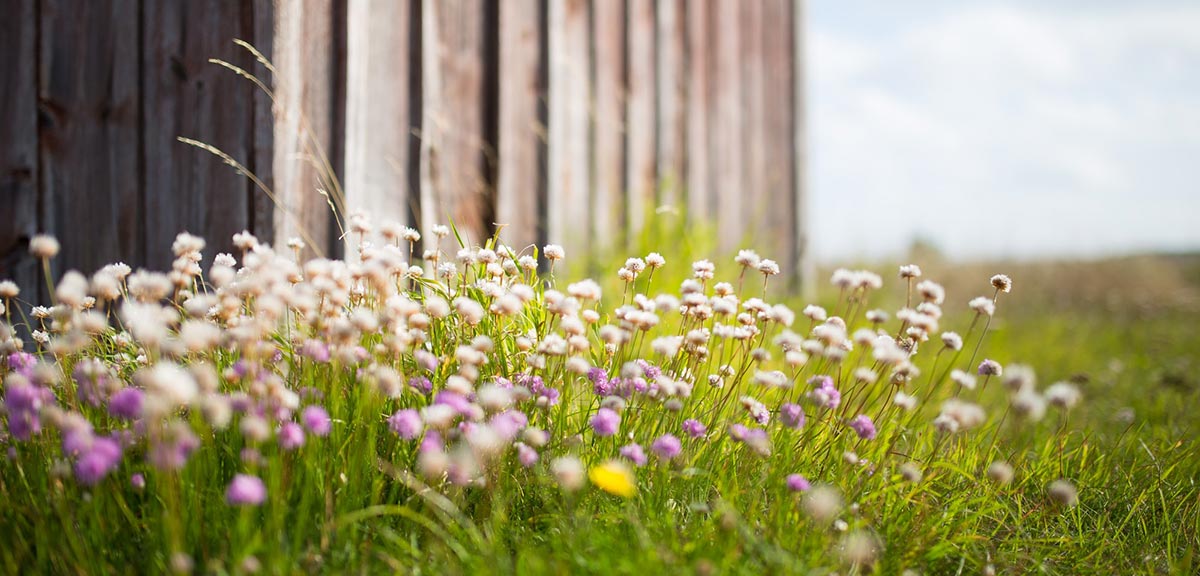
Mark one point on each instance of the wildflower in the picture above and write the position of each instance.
(554, 252)
(316, 419)
(982, 305)
(990, 367)
(43, 246)
(791, 415)
(1019, 377)
(1063, 395)
(952, 341)
(526, 455)
(815, 313)
(911, 472)
(1000, 472)
(568, 472)
(1002, 283)
(823, 503)
(797, 483)
(931, 291)
(910, 271)
(655, 260)
(605, 422)
(1063, 493)
(963, 379)
(613, 477)
(905, 401)
(768, 267)
(860, 548)
(245, 490)
(703, 269)
(291, 436)
(863, 426)
(666, 447)
(747, 259)
(694, 429)
(634, 453)
(1028, 404)
(825, 395)
(137, 480)
(406, 424)
(97, 461)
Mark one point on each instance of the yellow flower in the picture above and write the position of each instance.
(613, 477)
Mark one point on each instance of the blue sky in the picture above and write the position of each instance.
(1003, 129)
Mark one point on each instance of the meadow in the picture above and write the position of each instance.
(492, 411)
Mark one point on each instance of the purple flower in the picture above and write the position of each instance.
(406, 424)
(100, 459)
(22, 363)
(420, 384)
(666, 447)
(526, 455)
(738, 432)
(246, 490)
(797, 483)
(694, 428)
(509, 423)
(316, 419)
(126, 403)
(173, 453)
(825, 395)
(990, 367)
(792, 415)
(651, 371)
(605, 422)
(291, 436)
(316, 350)
(138, 481)
(432, 442)
(454, 400)
(634, 453)
(863, 425)
(426, 360)
(23, 401)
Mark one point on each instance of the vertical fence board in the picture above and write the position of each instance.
(672, 99)
(727, 139)
(755, 210)
(89, 143)
(608, 177)
(641, 181)
(452, 133)
(262, 133)
(567, 184)
(522, 94)
(18, 145)
(699, 111)
(304, 131)
(378, 125)
(187, 189)
(778, 111)
(805, 270)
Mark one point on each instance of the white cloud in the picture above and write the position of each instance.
(1004, 130)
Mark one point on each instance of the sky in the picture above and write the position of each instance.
(1018, 129)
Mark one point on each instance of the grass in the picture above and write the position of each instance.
(362, 499)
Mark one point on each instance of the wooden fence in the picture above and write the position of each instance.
(565, 121)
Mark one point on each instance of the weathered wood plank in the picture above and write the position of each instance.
(522, 93)
(672, 100)
(727, 140)
(777, 105)
(89, 143)
(456, 187)
(700, 129)
(19, 144)
(378, 125)
(569, 86)
(752, 130)
(641, 180)
(304, 127)
(608, 177)
(805, 270)
(186, 189)
(262, 160)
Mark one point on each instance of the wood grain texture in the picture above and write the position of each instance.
(641, 177)
(568, 156)
(304, 130)
(726, 139)
(90, 145)
(805, 268)
(609, 127)
(456, 187)
(671, 113)
(522, 139)
(751, 130)
(779, 114)
(700, 128)
(19, 144)
(183, 94)
(378, 103)
(261, 18)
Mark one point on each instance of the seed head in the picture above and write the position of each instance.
(1002, 283)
